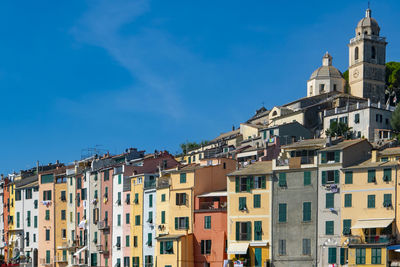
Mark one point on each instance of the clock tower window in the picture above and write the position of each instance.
(356, 53)
(373, 52)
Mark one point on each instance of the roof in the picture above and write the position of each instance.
(390, 151)
(306, 144)
(169, 237)
(325, 72)
(225, 135)
(369, 164)
(214, 194)
(26, 182)
(368, 21)
(260, 167)
(344, 144)
(372, 223)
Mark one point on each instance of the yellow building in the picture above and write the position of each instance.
(12, 223)
(60, 220)
(368, 197)
(249, 214)
(175, 241)
(137, 219)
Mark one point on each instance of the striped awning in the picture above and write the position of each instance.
(372, 223)
(238, 248)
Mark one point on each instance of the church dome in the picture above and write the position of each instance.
(368, 25)
(326, 71)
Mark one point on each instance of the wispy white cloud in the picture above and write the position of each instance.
(152, 57)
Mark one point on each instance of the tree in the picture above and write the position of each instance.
(188, 146)
(339, 129)
(395, 119)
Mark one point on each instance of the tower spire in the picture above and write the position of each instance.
(368, 12)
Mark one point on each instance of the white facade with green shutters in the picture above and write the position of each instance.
(118, 238)
(149, 220)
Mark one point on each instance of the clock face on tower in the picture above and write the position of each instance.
(356, 73)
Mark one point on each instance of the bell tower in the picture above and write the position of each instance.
(367, 58)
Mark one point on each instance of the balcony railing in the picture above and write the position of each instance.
(295, 161)
(102, 249)
(162, 183)
(61, 258)
(371, 239)
(212, 206)
(149, 184)
(103, 225)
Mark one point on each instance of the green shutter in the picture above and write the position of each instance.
(237, 230)
(18, 217)
(342, 256)
(346, 227)
(251, 179)
(371, 201)
(47, 256)
(161, 247)
(371, 176)
(387, 175)
(323, 177)
(257, 230)
(387, 200)
(176, 223)
(323, 157)
(119, 178)
(332, 255)
(329, 227)
(150, 201)
(330, 198)
(183, 177)
(348, 177)
(282, 212)
(336, 176)
(35, 221)
(249, 231)
(306, 211)
(242, 203)
(257, 201)
(248, 184)
(347, 200)
(307, 178)
(163, 217)
(263, 182)
(337, 156)
(237, 184)
(282, 179)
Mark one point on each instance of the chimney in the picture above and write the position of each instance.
(374, 155)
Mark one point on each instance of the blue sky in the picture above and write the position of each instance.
(153, 74)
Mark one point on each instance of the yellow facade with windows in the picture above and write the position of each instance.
(249, 198)
(368, 195)
(137, 218)
(60, 221)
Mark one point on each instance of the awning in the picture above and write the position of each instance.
(393, 247)
(238, 248)
(79, 251)
(214, 194)
(247, 154)
(372, 223)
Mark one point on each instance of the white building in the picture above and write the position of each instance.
(118, 211)
(2, 238)
(149, 219)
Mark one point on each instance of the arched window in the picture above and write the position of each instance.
(356, 53)
(373, 52)
(274, 113)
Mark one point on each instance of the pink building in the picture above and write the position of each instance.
(106, 216)
(210, 229)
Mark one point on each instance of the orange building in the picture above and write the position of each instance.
(210, 229)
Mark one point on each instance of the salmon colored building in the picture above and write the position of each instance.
(106, 218)
(60, 219)
(210, 229)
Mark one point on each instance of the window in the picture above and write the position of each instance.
(119, 219)
(78, 183)
(258, 230)
(18, 219)
(181, 223)
(334, 87)
(371, 201)
(387, 175)
(306, 246)
(47, 195)
(321, 87)
(282, 247)
(64, 233)
(346, 227)
(46, 179)
(28, 218)
(35, 203)
(128, 198)
(332, 156)
(78, 199)
(149, 239)
(63, 215)
(119, 179)
(148, 261)
(47, 216)
(126, 261)
(257, 201)
(127, 239)
(282, 208)
(182, 178)
(135, 262)
(329, 200)
(356, 53)
(329, 228)
(118, 244)
(137, 220)
(135, 241)
(347, 200)
(162, 217)
(118, 198)
(242, 203)
(243, 231)
(373, 52)
(150, 201)
(127, 218)
(348, 177)
(331, 255)
(35, 221)
(259, 182)
(282, 180)
(307, 178)
(243, 184)
(343, 120)
(205, 246)
(330, 177)
(136, 200)
(384, 159)
(180, 199)
(371, 176)
(360, 255)
(17, 195)
(387, 200)
(163, 198)
(357, 118)
(95, 238)
(47, 256)
(166, 247)
(47, 234)
(306, 211)
(150, 218)
(70, 198)
(207, 222)
(106, 175)
(376, 255)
